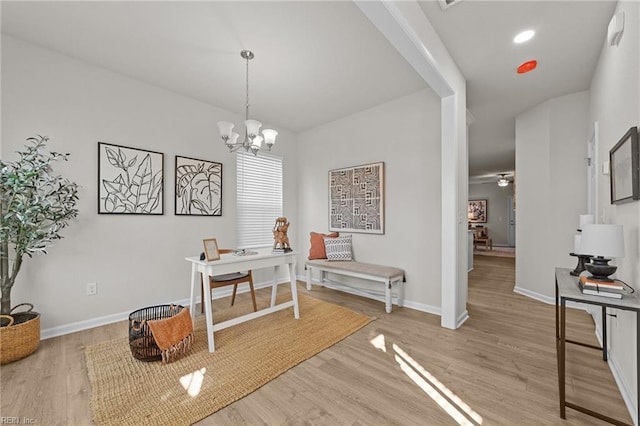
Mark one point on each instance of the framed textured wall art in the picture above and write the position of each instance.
(198, 187)
(356, 199)
(477, 211)
(624, 160)
(130, 180)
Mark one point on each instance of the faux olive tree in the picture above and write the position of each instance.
(35, 205)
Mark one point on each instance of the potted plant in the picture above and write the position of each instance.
(35, 205)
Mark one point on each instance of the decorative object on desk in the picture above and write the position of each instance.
(280, 238)
(142, 343)
(624, 160)
(602, 242)
(356, 199)
(130, 180)
(250, 355)
(198, 187)
(339, 248)
(582, 258)
(35, 205)
(211, 249)
(477, 211)
(252, 139)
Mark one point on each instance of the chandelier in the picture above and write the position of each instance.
(252, 140)
(503, 181)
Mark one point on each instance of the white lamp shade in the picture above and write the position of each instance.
(226, 128)
(233, 139)
(253, 127)
(269, 136)
(604, 240)
(257, 141)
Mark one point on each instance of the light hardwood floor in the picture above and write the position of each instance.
(499, 368)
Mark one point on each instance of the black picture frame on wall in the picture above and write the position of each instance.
(130, 180)
(624, 163)
(198, 188)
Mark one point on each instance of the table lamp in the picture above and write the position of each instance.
(602, 242)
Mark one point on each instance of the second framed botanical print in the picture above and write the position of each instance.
(198, 187)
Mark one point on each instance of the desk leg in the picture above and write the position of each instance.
(274, 286)
(604, 333)
(294, 290)
(206, 288)
(194, 286)
(561, 370)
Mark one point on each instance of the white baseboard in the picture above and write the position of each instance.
(123, 316)
(462, 318)
(532, 294)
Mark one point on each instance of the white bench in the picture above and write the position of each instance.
(385, 275)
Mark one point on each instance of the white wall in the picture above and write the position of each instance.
(615, 105)
(551, 142)
(405, 134)
(497, 209)
(136, 260)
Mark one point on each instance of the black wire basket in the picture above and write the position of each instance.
(141, 342)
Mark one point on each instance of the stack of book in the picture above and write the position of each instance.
(593, 287)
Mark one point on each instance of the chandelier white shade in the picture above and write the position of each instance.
(252, 140)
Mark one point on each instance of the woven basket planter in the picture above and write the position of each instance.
(22, 338)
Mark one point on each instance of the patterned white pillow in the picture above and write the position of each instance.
(338, 248)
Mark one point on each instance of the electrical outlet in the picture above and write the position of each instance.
(92, 289)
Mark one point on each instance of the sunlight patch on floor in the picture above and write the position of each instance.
(460, 411)
(432, 383)
(192, 382)
(378, 343)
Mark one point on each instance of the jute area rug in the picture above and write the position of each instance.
(126, 391)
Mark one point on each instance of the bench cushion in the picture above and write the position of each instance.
(359, 267)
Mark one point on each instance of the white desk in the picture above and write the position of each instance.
(229, 263)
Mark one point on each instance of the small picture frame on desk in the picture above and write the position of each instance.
(211, 249)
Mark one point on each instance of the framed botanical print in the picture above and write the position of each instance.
(130, 180)
(198, 187)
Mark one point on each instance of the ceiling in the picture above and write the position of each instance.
(319, 61)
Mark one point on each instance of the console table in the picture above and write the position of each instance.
(229, 263)
(567, 290)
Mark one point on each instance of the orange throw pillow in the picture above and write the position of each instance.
(317, 250)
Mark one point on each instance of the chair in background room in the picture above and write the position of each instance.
(481, 236)
(230, 279)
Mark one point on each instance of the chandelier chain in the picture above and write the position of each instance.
(247, 102)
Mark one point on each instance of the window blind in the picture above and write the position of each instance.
(259, 198)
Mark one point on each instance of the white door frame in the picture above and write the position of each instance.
(410, 32)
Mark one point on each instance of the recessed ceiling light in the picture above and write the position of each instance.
(524, 36)
(527, 66)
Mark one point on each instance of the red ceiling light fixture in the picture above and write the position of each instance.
(527, 66)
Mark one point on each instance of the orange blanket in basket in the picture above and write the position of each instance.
(174, 335)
